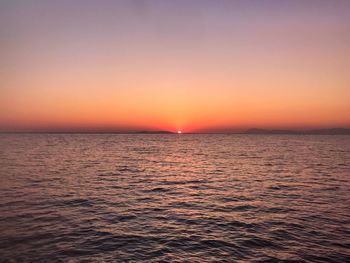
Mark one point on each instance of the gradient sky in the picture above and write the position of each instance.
(215, 65)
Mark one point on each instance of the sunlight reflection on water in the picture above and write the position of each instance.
(173, 198)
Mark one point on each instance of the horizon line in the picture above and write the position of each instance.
(249, 131)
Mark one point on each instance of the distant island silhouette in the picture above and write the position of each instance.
(331, 131)
(90, 132)
(153, 132)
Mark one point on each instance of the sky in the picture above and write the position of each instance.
(190, 65)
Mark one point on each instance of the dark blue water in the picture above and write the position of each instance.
(174, 198)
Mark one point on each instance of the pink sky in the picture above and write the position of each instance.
(174, 65)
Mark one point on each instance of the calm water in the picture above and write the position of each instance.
(192, 198)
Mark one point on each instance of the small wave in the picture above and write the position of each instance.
(77, 202)
(257, 242)
(158, 189)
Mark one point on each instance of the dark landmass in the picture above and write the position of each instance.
(88, 132)
(153, 132)
(332, 131)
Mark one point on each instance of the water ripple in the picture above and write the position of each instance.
(165, 198)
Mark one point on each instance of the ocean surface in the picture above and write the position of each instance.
(174, 198)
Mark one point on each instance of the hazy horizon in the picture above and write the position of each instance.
(140, 130)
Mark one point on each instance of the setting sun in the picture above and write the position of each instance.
(179, 132)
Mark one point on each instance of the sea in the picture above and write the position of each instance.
(174, 198)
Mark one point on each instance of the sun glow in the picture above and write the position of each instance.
(263, 74)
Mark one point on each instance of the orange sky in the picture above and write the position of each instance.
(174, 65)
